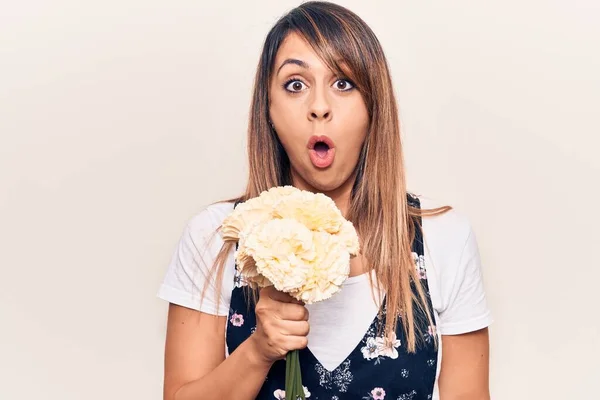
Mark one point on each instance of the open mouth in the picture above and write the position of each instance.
(321, 151)
(322, 142)
(321, 148)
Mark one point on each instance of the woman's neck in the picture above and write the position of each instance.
(340, 195)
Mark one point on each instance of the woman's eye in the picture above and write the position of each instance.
(295, 86)
(343, 85)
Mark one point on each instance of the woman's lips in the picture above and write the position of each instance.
(321, 151)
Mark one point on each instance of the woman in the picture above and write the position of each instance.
(324, 119)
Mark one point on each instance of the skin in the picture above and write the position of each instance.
(317, 102)
(195, 363)
(464, 374)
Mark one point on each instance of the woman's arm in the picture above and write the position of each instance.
(464, 374)
(195, 364)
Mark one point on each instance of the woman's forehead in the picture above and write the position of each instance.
(295, 47)
(296, 50)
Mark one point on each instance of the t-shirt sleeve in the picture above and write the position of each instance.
(191, 267)
(465, 307)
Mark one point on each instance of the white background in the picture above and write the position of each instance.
(119, 120)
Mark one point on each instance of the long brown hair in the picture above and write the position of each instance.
(379, 207)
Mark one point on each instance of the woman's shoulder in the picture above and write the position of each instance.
(449, 239)
(192, 262)
(209, 218)
(454, 270)
(451, 225)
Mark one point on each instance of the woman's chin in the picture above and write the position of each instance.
(326, 181)
(320, 182)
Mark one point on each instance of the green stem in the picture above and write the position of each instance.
(293, 377)
(300, 389)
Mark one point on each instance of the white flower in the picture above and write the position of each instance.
(306, 392)
(349, 237)
(272, 196)
(371, 350)
(327, 272)
(247, 267)
(243, 218)
(280, 394)
(295, 240)
(253, 211)
(280, 250)
(314, 210)
(387, 347)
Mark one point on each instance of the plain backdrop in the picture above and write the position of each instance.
(120, 120)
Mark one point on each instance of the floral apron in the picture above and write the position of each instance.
(375, 370)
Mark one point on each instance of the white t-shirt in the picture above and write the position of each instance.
(451, 260)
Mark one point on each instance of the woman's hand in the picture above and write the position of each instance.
(281, 325)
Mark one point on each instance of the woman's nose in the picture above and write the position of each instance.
(320, 108)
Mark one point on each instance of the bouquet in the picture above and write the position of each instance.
(297, 241)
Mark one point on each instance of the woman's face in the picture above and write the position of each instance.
(320, 119)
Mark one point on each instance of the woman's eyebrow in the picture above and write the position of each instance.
(294, 61)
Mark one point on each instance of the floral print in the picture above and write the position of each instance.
(420, 265)
(306, 392)
(408, 396)
(431, 330)
(237, 320)
(280, 394)
(370, 350)
(387, 346)
(431, 333)
(378, 394)
(381, 347)
(239, 280)
(340, 377)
